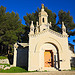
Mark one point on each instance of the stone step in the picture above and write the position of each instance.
(49, 69)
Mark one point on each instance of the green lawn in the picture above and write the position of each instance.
(13, 70)
(3, 57)
(5, 65)
(21, 70)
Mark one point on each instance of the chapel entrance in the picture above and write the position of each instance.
(48, 58)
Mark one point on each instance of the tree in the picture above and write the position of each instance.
(67, 19)
(73, 40)
(73, 34)
(10, 28)
(25, 38)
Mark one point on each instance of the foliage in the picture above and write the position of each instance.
(52, 18)
(31, 17)
(67, 19)
(3, 57)
(25, 37)
(73, 40)
(11, 29)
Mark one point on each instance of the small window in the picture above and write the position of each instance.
(43, 19)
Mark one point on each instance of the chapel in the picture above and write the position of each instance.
(46, 50)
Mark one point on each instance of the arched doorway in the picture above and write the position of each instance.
(48, 58)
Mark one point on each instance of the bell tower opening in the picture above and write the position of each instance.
(43, 20)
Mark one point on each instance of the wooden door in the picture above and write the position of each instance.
(47, 59)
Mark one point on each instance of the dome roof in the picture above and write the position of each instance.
(43, 13)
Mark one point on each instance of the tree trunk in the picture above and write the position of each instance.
(1, 49)
(8, 49)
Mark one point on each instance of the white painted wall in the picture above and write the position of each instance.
(38, 40)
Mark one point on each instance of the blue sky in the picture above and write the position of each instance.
(28, 6)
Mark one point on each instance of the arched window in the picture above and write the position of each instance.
(43, 19)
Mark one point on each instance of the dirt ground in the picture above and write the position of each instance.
(43, 73)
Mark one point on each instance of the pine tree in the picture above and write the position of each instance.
(10, 29)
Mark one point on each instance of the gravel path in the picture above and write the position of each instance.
(43, 73)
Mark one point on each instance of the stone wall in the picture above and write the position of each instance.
(4, 61)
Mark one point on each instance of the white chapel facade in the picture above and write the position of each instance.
(47, 49)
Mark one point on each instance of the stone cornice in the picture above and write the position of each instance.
(23, 44)
(48, 30)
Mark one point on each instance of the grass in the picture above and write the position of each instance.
(13, 70)
(72, 68)
(45, 70)
(5, 65)
(21, 70)
(3, 57)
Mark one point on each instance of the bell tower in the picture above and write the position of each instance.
(43, 17)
